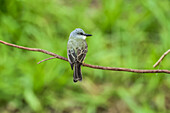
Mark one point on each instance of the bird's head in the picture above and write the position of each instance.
(79, 34)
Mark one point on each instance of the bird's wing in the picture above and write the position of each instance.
(81, 53)
(71, 57)
(71, 53)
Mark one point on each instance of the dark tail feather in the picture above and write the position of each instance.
(77, 76)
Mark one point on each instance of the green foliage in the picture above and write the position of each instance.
(126, 33)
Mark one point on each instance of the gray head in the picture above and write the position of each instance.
(79, 34)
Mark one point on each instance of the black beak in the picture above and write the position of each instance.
(87, 34)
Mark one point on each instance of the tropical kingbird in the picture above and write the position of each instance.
(76, 51)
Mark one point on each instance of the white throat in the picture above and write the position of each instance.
(81, 37)
(84, 37)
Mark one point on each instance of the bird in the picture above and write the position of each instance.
(76, 52)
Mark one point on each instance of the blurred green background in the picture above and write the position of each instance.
(126, 33)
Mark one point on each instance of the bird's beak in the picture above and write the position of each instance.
(87, 34)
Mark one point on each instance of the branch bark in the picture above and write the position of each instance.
(161, 58)
(46, 60)
(86, 65)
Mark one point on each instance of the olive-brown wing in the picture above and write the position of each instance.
(81, 54)
(72, 57)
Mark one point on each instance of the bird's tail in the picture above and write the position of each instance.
(77, 76)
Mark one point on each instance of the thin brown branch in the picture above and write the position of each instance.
(46, 60)
(161, 58)
(34, 49)
(87, 65)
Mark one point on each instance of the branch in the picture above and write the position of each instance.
(46, 60)
(34, 49)
(86, 65)
(161, 58)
